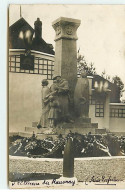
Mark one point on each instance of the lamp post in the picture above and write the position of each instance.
(26, 59)
(27, 37)
(68, 159)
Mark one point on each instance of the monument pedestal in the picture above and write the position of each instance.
(80, 125)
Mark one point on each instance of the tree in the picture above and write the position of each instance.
(83, 65)
(105, 76)
(117, 80)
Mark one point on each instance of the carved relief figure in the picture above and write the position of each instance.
(63, 97)
(69, 30)
(54, 111)
(44, 122)
(81, 96)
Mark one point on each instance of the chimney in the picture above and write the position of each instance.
(38, 28)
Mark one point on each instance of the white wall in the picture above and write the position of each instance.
(24, 100)
(117, 124)
(24, 97)
(99, 120)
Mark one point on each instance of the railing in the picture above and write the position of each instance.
(41, 66)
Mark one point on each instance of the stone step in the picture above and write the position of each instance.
(88, 127)
(25, 134)
(64, 131)
(79, 120)
(83, 120)
(31, 129)
(100, 131)
(36, 130)
(80, 125)
(78, 130)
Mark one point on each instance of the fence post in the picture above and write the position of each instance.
(68, 159)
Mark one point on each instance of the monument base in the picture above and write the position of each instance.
(80, 125)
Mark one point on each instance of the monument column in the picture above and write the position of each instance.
(66, 50)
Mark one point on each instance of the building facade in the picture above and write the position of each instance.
(31, 59)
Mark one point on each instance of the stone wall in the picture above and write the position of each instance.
(85, 168)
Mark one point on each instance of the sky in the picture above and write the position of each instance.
(101, 35)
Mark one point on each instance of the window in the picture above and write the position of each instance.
(99, 110)
(38, 66)
(91, 100)
(117, 112)
(26, 62)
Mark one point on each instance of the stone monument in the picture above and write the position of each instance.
(66, 50)
(69, 106)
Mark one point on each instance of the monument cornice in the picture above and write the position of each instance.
(64, 20)
(66, 28)
(66, 38)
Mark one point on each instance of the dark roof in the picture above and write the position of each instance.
(16, 43)
(115, 91)
(42, 46)
(19, 25)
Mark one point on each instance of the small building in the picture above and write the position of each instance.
(20, 28)
(105, 107)
(25, 78)
(115, 90)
